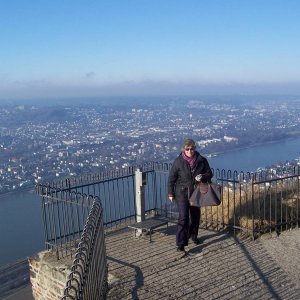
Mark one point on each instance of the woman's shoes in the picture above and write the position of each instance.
(180, 248)
(196, 241)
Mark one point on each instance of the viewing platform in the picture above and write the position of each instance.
(222, 267)
(89, 221)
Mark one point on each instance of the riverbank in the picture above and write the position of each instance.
(210, 156)
(30, 189)
(13, 277)
(249, 159)
(252, 146)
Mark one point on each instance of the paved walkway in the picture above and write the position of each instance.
(221, 268)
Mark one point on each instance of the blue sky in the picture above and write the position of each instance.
(144, 47)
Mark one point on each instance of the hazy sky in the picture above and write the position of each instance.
(109, 47)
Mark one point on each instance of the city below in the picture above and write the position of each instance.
(40, 143)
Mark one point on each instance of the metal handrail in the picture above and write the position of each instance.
(88, 277)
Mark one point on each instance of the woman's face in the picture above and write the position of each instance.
(189, 151)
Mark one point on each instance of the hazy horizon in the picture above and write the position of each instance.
(142, 101)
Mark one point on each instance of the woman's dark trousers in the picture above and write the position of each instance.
(186, 229)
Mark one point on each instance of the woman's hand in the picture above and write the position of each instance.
(200, 178)
(171, 198)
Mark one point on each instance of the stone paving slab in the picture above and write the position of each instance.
(221, 268)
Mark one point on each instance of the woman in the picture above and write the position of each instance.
(182, 179)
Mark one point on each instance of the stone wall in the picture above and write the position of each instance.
(48, 275)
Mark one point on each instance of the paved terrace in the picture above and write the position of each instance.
(222, 267)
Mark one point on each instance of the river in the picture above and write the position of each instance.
(21, 226)
(249, 159)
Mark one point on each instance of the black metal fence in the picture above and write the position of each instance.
(64, 217)
(116, 189)
(88, 277)
(252, 203)
(73, 226)
(256, 203)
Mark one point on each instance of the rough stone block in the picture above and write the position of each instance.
(48, 276)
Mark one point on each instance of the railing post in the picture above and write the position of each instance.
(252, 207)
(139, 196)
(298, 197)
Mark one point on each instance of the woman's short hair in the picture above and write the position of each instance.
(189, 143)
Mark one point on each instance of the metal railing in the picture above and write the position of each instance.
(73, 226)
(88, 277)
(116, 189)
(64, 216)
(256, 203)
(252, 204)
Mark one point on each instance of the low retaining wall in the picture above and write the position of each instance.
(48, 275)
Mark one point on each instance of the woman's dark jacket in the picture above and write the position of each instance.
(181, 182)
